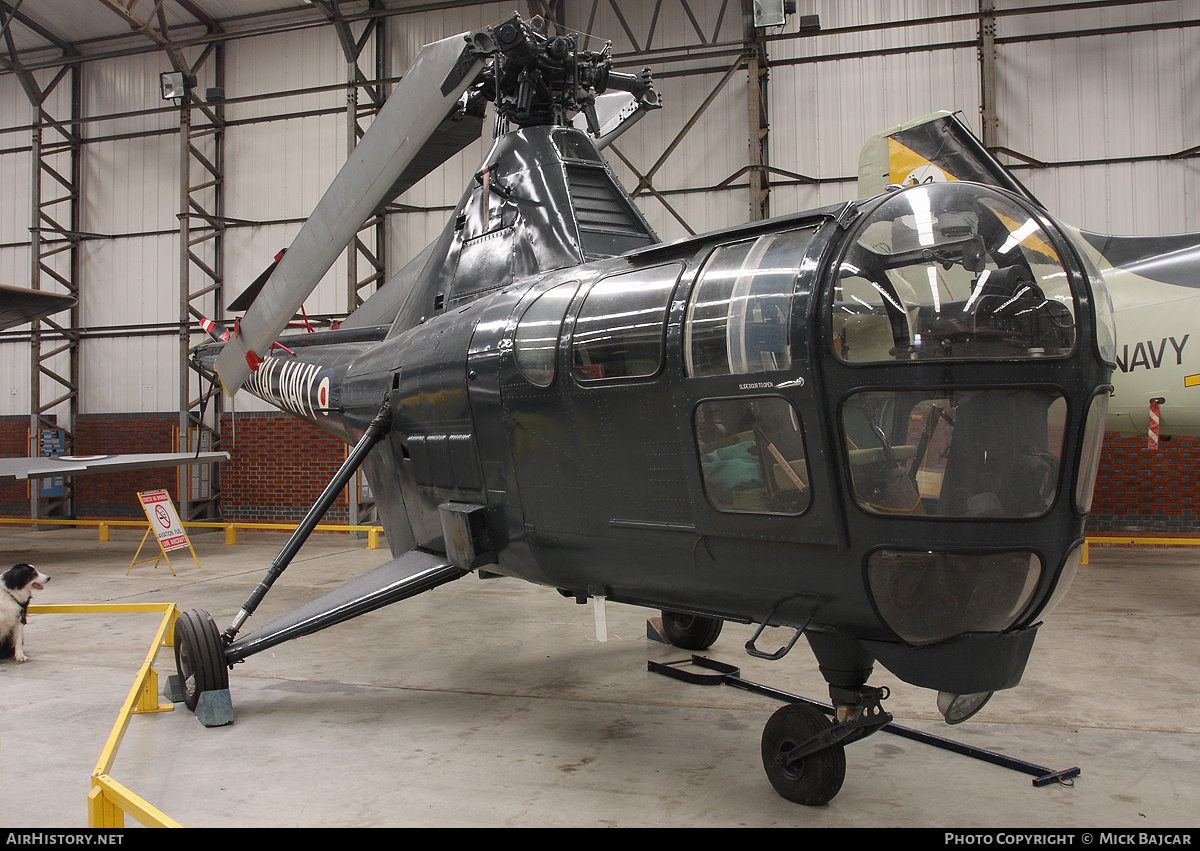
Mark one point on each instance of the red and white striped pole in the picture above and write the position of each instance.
(1152, 444)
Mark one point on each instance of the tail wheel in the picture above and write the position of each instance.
(814, 779)
(691, 632)
(199, 656)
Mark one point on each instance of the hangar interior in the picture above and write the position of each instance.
(155, 212)
(157, 207)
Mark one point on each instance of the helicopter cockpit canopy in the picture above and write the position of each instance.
(940, 273)
(953, 272)
(954, 310)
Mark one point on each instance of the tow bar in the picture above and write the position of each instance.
(731, 676)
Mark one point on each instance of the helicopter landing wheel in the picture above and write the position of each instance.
(815, 778)
(199, 656)
(691, 632)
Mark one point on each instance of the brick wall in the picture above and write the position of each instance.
(104, 495)
(115, 494)
(1139, 490)
(280, 465)
(14, 443)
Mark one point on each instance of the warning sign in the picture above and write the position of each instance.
(164, 520)
(164, 523)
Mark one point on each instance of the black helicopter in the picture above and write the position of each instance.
(876, 423)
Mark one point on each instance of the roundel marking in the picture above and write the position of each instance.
(323, 394)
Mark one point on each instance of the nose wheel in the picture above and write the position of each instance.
(804, 752)
(199, 656)
(799, 756)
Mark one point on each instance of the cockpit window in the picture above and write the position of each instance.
(947, 271)
(955, 453)
(739, 318)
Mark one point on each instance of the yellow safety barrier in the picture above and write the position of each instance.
(1143, 540)
(108, 801)
(1137, 541)
(373, 532)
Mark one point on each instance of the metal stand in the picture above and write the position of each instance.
(731, 676)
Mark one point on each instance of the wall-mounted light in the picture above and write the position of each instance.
(175, 85)
(770, 13)
(774, 13)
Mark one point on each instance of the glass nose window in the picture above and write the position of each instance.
(951, 271)
(966, 453)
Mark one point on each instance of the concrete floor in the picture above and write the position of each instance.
(491, 703)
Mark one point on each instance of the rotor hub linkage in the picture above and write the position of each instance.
(537, 79)
(863, 715)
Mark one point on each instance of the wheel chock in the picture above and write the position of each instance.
(214, 708)
(173, 689)
(654, 631)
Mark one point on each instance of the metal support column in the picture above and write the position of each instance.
(987, 73)
(201, 279)
(201, 237)
(54, 264)
(366, 256)
(756, 102)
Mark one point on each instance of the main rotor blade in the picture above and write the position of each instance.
(440, 74)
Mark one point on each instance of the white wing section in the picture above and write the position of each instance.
(78, 465)
(438, 77)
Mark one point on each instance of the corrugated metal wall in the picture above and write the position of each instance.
(1126, 98)
(716, 146)
(129, 187)
(1121, 98)
(410, 232)
(829, 93)
(15, 171)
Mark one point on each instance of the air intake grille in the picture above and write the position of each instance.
(608, 224)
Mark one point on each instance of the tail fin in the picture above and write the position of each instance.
(935, 148)
(243, 301)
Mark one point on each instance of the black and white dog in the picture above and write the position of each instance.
(18, 584)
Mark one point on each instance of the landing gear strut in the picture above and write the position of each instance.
(203, 654)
